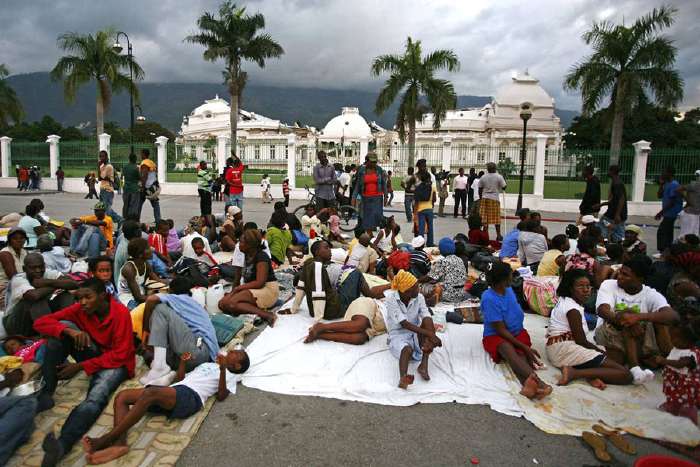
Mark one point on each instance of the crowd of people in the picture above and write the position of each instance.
(616, 315)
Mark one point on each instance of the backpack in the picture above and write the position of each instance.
(423, 191)
(196, 271)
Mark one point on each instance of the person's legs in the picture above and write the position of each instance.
(20, 319)
(664, 235)
(75, 238)
(243, 303)
(237, 200)
(428, 213)
(96, 242)
(609, 372)
(441, 210)
(201, 193)
(422, 220)
(404, 378)
(156, 209)
(347, 332)
(169, 331)
(408, 207)
(16, 424)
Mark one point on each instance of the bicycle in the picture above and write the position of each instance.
(348, 214)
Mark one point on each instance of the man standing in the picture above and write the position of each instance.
(105, 175)
(60, 176)
(234, 180)
(226, 187)
(690, 216)
(98, 334)
(150, 189)
(491, 186)
(613, 221)
(408, 184)
(470, 193)
(131, 198)
(461, 183)
(325, 180)
(425, 195)
(204, 188)
(671, 206)
(590, 204)
(343, 186)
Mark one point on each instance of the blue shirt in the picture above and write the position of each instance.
(671, 200)
(509, 248)
(195, 317)
(397, 312)
(504, 308)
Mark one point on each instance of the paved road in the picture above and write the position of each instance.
(259, 428)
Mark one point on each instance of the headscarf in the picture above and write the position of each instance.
(403, 281)
(684, 260)
(447, 246)
(399, 260)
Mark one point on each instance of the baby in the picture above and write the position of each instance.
(27, 349)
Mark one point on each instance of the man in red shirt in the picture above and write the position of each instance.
(234, 180)
(98, 334)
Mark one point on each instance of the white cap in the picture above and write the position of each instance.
(233, 210)
(418, 241)
(588, 219)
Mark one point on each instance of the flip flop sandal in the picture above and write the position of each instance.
(597, 443)
(617, 439)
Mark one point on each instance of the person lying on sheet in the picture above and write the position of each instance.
(328, 290)
(362, 321)
(411, 330)
(505, 338)
(180, 400)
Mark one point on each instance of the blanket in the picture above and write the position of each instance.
(461, 371)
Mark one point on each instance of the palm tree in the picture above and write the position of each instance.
(234, 36)
(627, 64)
(10, 106)
(415, 74)
(92, 58)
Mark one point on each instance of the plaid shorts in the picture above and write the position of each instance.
(490, 211)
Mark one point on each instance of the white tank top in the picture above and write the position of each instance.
(123, 290)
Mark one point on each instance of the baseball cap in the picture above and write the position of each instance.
(418, 241)
(588, 219)
(634, 228)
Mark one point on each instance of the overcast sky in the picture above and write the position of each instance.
(330, 43)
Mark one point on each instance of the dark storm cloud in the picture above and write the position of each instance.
(331, 43)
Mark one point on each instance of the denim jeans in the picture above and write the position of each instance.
(59, 184)
(87, 240)
(616, 234)
(107, 197)
(155, 204)
(16, 423)
(408, 207)
(235, 200)
(103, 383)
(425, 219)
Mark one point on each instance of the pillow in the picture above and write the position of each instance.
(226, 327)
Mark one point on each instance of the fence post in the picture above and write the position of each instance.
(104, 142)
(221, 156)
(540, 163)
(364, 148)
(5, 150)
(162, 147)
(54, 158)
(639, 170)
(292, 160)
(446, 153)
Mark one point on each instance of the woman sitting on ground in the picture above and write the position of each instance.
(131, 285)
(531, 245)
(505, 337)
(585, 260)
(552, 263)
(279, 238)
(31, 225)
(11, 259)
(567, 346)
(449, 272)
(260, 290)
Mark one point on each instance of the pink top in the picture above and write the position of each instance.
(28, 352)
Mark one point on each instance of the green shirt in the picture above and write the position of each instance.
(279, 241)
(204, 180)
(132, 176)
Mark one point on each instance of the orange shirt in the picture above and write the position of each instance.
(107, 230)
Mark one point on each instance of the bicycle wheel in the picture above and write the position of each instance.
(300, 211)
(348, 218)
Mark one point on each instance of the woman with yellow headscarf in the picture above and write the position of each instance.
(410, 327)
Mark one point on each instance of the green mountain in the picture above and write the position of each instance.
(166, 103)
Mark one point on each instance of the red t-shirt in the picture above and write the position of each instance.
(158, 243)
(371, 182)
(234, 178)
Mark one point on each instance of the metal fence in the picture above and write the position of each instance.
(29, 155)
(684, 163)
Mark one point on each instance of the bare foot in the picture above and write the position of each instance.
(565, 377)
(543, 391)
(597, 383)
(313, 333)
(108, 454)
(405, 381)
(529, 389)
(91, 445)
(423, 372)
(271, 320)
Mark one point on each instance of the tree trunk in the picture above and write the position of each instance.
(411, 142)
(617, 124)
(233, 117)
(99, 115)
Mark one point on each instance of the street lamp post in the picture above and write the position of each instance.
(525, 114)
(117, 47)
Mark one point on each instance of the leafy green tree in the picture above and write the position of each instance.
(235, 36)
(415, 76)
(506, 167)
(10, 106)
(627, 65)
(93, 59)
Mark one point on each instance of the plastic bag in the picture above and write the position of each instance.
(541, 295)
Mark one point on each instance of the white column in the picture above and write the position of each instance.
(364, 148)
(639, 170)
(222, 142)
(539, 164)
(292, 160)
(446, 153)
(54, 158)
(104, 142)
(5, 151)
(162, 147)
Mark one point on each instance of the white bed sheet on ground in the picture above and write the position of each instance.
(461, 371)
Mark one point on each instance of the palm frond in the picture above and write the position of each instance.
(655, 52)
(666, 86)
(388, 93)
(4, 71)
(441, 98)
(260, 48)
(442, 60)
(657, 19)
(387, 64)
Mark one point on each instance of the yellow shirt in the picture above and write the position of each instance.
(107, 230)
(137, 320)
(422, 205)
(548, 264)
